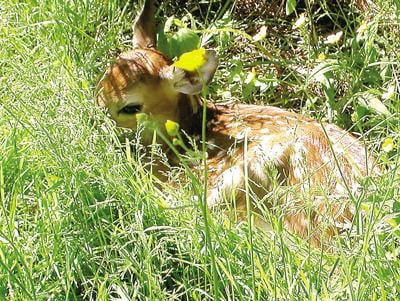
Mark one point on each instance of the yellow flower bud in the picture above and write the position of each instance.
(321, 57)
(172, 128)
(191, 61)
(388, 145)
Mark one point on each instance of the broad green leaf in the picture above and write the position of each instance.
(395, 221)
(290, 6)
(175, 44)
(326, 66)
(378, 106)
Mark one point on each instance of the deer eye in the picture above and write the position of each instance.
(130, 109)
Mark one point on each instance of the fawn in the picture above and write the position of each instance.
(310, 167)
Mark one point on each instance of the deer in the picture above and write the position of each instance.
(310, 168)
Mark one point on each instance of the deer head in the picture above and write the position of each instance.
(143, 80)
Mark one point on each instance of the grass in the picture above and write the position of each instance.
(81, 219)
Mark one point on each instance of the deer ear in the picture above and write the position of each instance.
(193, 82)
(144, 28)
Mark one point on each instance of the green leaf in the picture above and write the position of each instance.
(359, 113)
(378, 106)
(397, 2)
(322, 71)
(396, 207)
(176, 43)
(290, 6)
(395, 221)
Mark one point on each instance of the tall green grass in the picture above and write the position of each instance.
(82, 219)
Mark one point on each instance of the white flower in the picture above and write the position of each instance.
(251, 76)
(389, 94)
(333, 38)
(300, 21)
(262, 33)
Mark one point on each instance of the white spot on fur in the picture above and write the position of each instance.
(282, 122)
(243, 133)
(325, 159)
(298, 161)
(293, 118)
(234, 125)
(267, 153)
(265, 131)
(291, 131)
(269, 149)
(230, 180)
(340, 189)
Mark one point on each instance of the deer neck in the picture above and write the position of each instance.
(191, 115)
